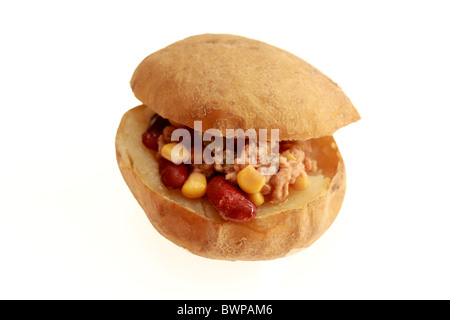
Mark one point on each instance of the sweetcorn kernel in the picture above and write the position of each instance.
(289, 155)
(195, 186)
(256, 198)
(250, 180)
(169, 152)
(301, 183)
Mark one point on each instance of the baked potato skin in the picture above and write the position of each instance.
(268, 237)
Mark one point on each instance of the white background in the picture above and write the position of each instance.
(69, 226)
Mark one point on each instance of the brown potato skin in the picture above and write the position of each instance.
(263, 238)
(232, 82)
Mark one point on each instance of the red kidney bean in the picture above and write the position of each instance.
(172, 175)
(155, 128)
(150, 139)
(231, 203)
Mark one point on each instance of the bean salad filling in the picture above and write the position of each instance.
(234, 189)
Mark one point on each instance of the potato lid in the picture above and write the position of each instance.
(232, 82)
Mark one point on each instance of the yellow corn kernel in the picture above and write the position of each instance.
(256, 198)
(301, 183)
(289, 155)
(195, 186)
(168, 152)
(250, 180)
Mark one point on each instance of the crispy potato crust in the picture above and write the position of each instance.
(231, 82)
(193, 224)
